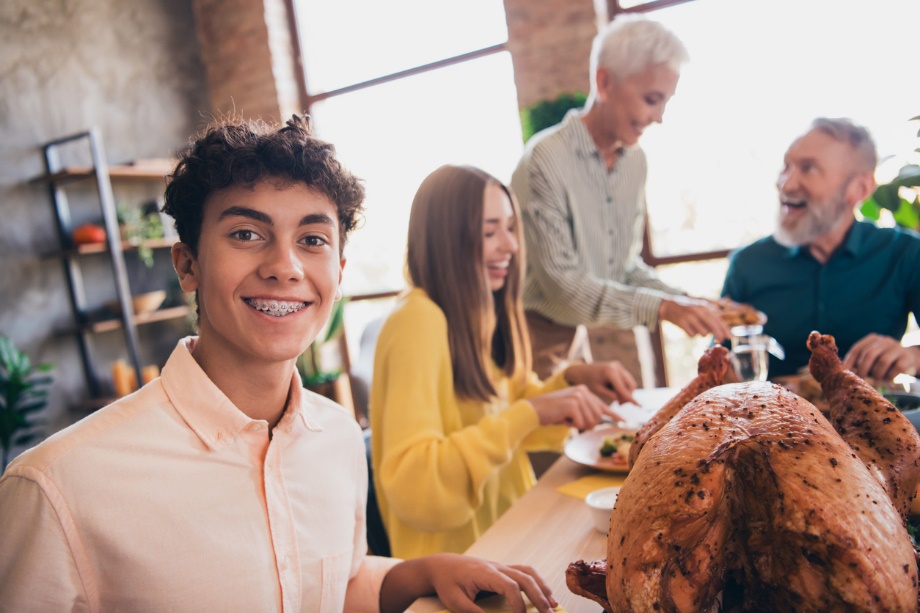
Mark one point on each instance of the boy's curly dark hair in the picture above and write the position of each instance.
(240, 152)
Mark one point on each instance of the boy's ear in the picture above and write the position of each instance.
(186, 267)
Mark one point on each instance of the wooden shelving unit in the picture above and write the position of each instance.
(57, 177)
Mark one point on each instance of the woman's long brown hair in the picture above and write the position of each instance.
(445, 260)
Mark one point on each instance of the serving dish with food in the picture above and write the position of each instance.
(746, 497)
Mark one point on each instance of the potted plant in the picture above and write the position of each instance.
(548, 113)
(23, 393)
(140, 224)
(901, 196)
(313, 373)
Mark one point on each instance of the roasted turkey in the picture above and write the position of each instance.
(748, 499)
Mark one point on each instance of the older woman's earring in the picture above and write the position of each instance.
(338, 294)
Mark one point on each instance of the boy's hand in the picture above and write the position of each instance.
(457, 580)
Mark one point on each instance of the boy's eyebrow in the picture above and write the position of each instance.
(313, 218)
(242, 211)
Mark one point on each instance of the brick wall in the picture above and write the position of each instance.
(550, 41)
(246, 49)
(247, 53)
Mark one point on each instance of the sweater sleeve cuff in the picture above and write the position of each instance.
(522, 419)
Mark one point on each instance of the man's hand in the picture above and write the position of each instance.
(457, 579)
(610, 381)
(882, 357)
(695, 316)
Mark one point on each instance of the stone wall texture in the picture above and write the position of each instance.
(130, 69)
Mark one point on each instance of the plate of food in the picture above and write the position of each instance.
(604, 448)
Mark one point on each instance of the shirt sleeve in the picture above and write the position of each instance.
(554, 262)
(418, 425)
(37, 567)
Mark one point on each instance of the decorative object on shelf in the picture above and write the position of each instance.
(23, 393)
(140, 224)
(124, 379)
(88, 234)
(548, 113)
(901, 196)
(142, 303)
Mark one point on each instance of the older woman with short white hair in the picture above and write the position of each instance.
(581, 187)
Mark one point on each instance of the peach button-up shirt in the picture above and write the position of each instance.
(172, 499)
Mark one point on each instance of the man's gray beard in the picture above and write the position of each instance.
(817, 222)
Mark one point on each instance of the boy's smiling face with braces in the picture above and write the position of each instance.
(267, 270)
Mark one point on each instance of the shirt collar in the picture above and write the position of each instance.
(854, 242)
(857, 238)
(581, 139)
(205, 408)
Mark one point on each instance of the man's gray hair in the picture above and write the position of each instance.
(846, 131)
(631, 43)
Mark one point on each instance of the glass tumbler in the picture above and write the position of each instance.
(750, 349)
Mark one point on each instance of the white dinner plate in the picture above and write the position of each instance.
(585, 448)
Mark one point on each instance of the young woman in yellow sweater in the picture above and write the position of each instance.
(454, 404)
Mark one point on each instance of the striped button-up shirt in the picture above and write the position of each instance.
(583, 229)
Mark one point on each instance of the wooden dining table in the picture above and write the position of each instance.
(545, 529)
(548, 529)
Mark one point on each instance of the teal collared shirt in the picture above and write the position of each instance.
(870, 284)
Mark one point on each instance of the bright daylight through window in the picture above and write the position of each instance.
(759, 72)
(392, 135)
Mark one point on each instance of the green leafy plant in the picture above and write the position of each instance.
(901, 196)
(139, 225)
(23, 393)
(548, 113)
(309, 364)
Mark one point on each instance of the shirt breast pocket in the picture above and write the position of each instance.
(335, 570)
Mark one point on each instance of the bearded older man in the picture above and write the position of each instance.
(822, 269)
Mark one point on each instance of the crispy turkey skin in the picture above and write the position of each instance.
(746, 498)
(750, 484)
(712, 369)
(886, 442)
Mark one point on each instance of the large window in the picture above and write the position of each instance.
(401, 88)
(386, 87)
(394, 132)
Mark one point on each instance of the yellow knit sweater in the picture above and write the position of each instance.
(445, 468)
